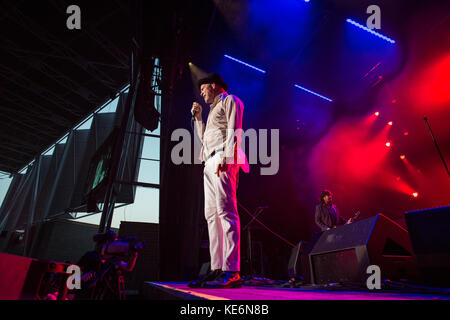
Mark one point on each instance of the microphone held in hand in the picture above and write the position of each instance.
(196, 109)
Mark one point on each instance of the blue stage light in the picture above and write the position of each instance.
(369, 30)
(312, 92)
(244, 63)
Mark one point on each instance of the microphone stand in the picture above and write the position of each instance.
(437, 146)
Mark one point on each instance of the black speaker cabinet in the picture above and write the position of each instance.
(429, 231)
(344, 253)
(23, 278)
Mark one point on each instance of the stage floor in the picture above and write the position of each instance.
(180, 291)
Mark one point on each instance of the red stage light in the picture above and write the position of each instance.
(402, 157)
(390, 123)
(388, 144)
(415, 194)
(431, 90)
(377, 114)
(394, 100)
(405, 133)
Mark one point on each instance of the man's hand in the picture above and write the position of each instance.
(197, 108)
(349, 221)
(222, 166)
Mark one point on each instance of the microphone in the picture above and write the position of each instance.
(193, 115)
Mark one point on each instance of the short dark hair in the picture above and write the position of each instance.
(324, 193)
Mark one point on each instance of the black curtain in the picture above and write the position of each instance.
(181, 196)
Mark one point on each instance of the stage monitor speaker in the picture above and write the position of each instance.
(23, 278)
(343, 254)
(429, 231)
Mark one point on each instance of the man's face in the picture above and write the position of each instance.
(207, 92)
(327, 199)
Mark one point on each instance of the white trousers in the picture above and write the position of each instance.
(222, 216)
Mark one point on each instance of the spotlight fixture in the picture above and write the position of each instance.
(415, 194)
(377, 114)
(390, 123)
(402, 157)
(388, 144)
